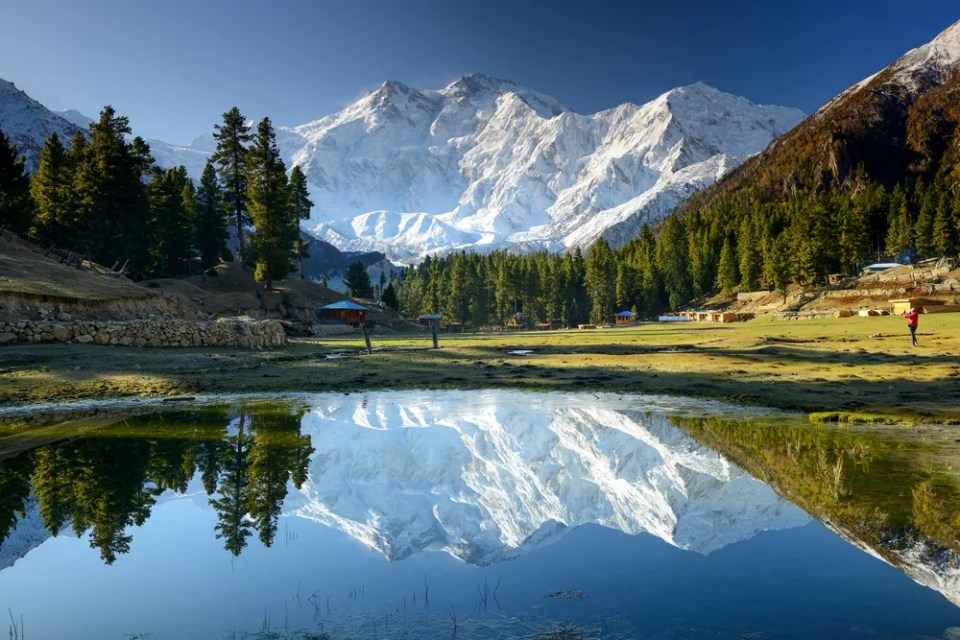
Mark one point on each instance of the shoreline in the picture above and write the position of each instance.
(835, 369)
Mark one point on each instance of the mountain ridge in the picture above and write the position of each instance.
(487, 164)
(484, 163)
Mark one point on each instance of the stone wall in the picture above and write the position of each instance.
(152, 332)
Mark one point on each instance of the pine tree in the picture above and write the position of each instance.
(231, 161)
(113, 222)
(672, 262)
(923, 227)
(268, 195)
(52, 191)
(626, 286)
(750, 259)
(211, 238)
(457, 301)
(777, 266)
(899, 231)
(16, 205)
(944, 229)
(358, 280)
(727, 269)
(173, 211)
(389, 296)
(300, 205)
(601, 279)
(854, 242)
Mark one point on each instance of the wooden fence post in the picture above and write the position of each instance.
(366, 337)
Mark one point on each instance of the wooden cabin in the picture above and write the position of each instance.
(345, 311)
(624, 317)
(903, 305)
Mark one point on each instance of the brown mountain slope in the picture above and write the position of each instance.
(899, 123)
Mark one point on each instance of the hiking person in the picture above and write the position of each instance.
(912, 317)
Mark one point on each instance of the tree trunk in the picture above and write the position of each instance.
(241, 248)
(300, 256)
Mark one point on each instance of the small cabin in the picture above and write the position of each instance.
(624, 317)
(345, 311)
(903, 305)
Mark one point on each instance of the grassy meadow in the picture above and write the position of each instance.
(846, 369)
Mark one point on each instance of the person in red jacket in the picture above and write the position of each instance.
(912, 317)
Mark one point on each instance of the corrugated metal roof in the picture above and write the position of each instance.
(345, 304)
(625, 314)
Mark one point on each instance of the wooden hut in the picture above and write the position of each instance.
(903, 305)
(345, 311)
(624, 317)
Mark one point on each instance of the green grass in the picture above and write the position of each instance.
(852, 368)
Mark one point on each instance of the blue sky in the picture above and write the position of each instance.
(175, 66)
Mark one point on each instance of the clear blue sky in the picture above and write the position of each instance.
(174, 66)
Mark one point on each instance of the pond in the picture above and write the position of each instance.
(481, 514)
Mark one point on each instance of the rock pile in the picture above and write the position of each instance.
(151, 332)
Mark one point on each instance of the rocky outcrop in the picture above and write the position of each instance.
(151, 332)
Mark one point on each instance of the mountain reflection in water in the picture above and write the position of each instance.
(482, 477)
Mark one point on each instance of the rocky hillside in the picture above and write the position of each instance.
(898, 123)
(38, 286)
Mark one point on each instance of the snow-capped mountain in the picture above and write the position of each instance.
(485, 163)
(482, 163)
(487, 476)
(28, 124)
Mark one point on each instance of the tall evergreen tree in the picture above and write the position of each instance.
(727, 276)
(16, 205)
(300, 206)
(211, 238)
(899, 231)
(268, 195)
(944, 228)
(457, 301)
(778, 264)
(231, 161)
(52, 191)
(358, 280)
(672, 261)
(389, 296)
(750, 258)
(601, 279)
(112, 209)
(173, 211)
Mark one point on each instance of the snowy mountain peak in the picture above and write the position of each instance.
(28, 124)
(72, 115)
(486, 163)
(943, 52)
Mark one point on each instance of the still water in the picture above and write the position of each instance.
(450, 514)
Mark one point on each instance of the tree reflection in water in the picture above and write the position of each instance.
(892, 489)
(106, 480)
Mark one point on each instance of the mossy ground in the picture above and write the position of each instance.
(851, 368)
